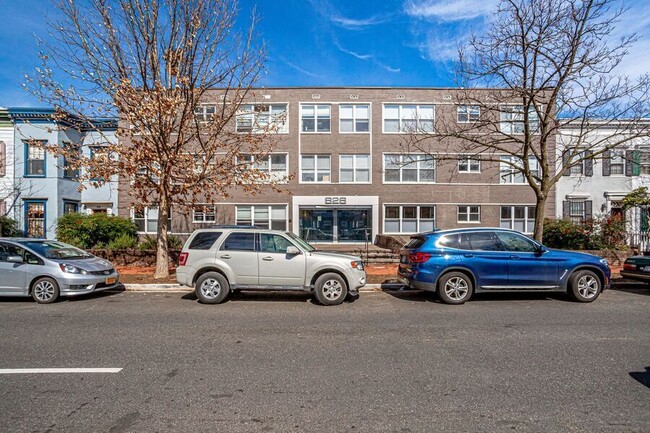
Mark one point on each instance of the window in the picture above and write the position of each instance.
(35, 218)
(516, 243)
(205, 112)
(480, 241)
(643, 158)
(239, 242)
(274, 167)
(274, 243)
(469, 214)
(512, 119)
(409, 218)
(617, 162)
(520, 218)
(354, 118)
(469, 164)
(582, 163)
(146, 220)
(409, 118)
(70, 207)
(35, 159)
(468, 113)
(513, 173)
(101, 156)
(204, 213)
(578, 210)
(262, 118)
(354, 168)
(315, 168)
(315, 118)
(409, 168)
(204, 240)
(263, 216)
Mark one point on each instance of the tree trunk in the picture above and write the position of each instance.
(162, 251)
(539, 216)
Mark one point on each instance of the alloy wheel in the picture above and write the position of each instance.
(456, 288)
(44, 291)
(210, 288)
(332, 289)
(588, 286)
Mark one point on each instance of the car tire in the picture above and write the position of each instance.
(455, 288)
(584, 286)
(212, 288)
(330, 289)
(45, 290)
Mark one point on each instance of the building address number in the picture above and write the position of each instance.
(335, 200)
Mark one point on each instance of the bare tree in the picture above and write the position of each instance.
(543, 67)
(176, 72)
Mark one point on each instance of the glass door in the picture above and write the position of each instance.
(354, 225)
(317, 225)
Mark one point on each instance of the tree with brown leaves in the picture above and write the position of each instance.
(175, 73)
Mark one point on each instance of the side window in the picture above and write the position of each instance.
(204, 240)
(274, 243)
(450, 241)
(481, 241)
(239, 242)
(515, 242)
(7, 250)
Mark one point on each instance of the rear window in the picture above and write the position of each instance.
(415, 242)
(239, 242)
(452, 241)
(204, 240)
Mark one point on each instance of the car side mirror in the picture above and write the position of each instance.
(14, 259)
(293, 251)
(541, 249)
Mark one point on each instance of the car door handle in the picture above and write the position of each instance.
(468, 255)
(225, 256)
(514, 257)
(267, 259)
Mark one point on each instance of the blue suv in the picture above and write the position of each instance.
(458, 263)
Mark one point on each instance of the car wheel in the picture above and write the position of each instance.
(455, 288)
(330, 289)
(212, 288)
(45, 290)
(584, 286)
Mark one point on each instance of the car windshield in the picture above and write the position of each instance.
(301, 242)
(56, 250)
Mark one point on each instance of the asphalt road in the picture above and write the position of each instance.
(389, 362)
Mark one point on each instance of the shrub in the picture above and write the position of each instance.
(149, 242)
(9, 227)
(123, 242)
(93, 231)
(600, 233)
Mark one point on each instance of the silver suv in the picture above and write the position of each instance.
(217, 260)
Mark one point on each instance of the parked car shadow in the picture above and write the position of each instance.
(414, 295)
(638, 288)
(643, 377)
(80, 298)
(262, 296)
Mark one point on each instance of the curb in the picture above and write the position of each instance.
(176, 288)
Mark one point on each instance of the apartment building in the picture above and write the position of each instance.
(44, 186)
(353, 176)
(7, 192)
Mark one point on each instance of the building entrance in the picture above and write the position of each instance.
(350, 224)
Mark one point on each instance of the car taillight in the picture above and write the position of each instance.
(182, 259)
(419, 257)
(629, 267)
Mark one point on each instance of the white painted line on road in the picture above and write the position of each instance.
(57, 370)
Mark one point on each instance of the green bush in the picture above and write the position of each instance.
(123, 242)
(9, 227)
(93, 231)
(149, 243)
(597, 234)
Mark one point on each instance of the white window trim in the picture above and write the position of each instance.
(527, 218)
(469, 120)
(417, 109)
(468, 159)
(204, 221)
(269, 171)
(269, 207)
(203, 116)
(284, 129)
(315, 131)
(468, 221)
(354, 118)
(625, 162)
(354, 168)
(145, 211)
(383, 157)
(401, 216)
(315, 169)
(512, 174)
(512, 122)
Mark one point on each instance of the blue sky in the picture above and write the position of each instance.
(325, 42)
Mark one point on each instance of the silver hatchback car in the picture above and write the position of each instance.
(46, 269)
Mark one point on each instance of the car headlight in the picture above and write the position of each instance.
(357, 265)
(603, 261)
(72, 269)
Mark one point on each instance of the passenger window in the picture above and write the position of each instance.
(7, 250)
(515, 242)
(204, 240)
(482, 241)
(450, 241)
(239, 242)
(274, 243)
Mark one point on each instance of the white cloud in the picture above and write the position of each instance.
(449, 10)
(298, 68)
(352, 53)
(352, 24)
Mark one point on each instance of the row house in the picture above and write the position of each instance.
(352, 175)
(39, 186)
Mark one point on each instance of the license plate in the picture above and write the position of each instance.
(111, 280)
